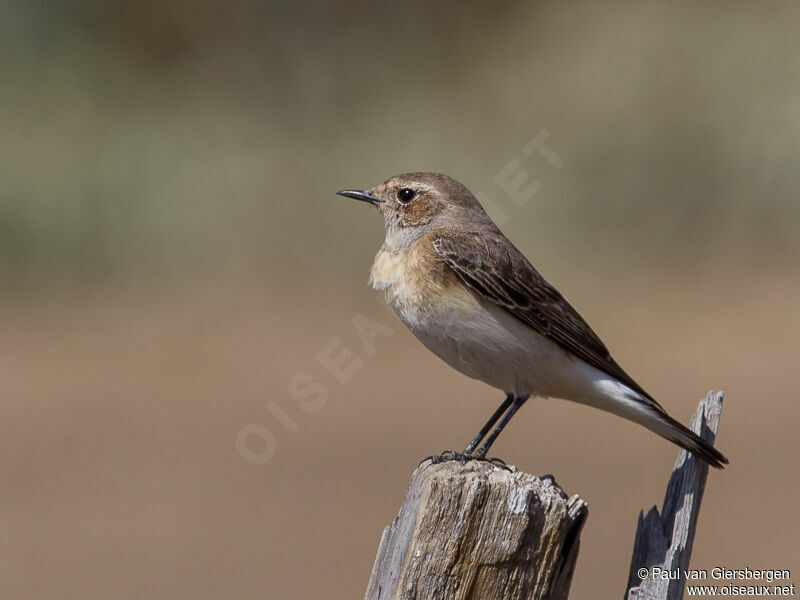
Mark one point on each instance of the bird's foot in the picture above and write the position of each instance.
(495, 461)
(447, 455)
(498, 462)
(463, 457)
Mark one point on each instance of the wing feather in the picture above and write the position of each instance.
(495, 269)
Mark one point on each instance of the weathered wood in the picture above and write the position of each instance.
(665, 541)
(475, 531)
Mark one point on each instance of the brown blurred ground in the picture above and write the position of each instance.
(121, 476)
(172, 255)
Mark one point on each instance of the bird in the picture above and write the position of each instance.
(475, 301)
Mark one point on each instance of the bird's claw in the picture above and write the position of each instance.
(497, 462)
(446, 456)
(462, 457)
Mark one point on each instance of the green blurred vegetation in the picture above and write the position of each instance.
(155, 139)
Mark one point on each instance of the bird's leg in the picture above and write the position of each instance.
(481, 452)
(469, 452)
(489, 424)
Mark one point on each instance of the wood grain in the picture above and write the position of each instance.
(478, 531)
(664, 541)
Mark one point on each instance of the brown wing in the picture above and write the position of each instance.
(494, 268)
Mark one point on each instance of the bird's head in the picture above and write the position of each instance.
(415, 203)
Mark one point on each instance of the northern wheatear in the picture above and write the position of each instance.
(472, 298)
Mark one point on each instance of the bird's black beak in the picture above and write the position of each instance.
(362, 195)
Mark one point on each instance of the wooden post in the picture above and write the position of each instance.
(477, 531)
(481, 532)
(665, 541)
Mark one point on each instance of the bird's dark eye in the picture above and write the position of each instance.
(405, 195)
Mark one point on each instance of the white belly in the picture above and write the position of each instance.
(486, 343)
(492, 346)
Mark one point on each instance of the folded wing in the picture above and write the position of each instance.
(493, 267)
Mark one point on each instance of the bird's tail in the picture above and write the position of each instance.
(618, 398)
(667, 427)
(641, 409)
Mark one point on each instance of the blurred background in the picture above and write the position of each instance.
(174, 260)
